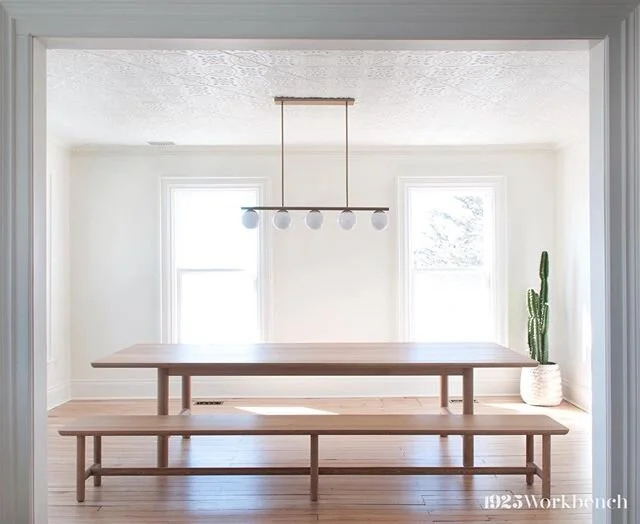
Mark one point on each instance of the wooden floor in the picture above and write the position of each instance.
(246, 500)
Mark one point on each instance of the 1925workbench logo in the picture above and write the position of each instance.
(512, 501)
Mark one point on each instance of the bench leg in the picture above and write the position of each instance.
(546, 466)
(80, 468)
(163, 409)
(530, 458)
(314, 468)
(467, 409)
(97, 460)
(186, 399)
(444, 396)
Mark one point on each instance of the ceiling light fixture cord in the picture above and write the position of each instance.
(282, 150)
(346, 156)
(282, 218)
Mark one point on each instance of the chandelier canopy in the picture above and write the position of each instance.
(315, 218)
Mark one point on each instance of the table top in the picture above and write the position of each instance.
(327, 358)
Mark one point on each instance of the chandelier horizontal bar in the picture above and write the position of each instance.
(317, 208)
(313, 101)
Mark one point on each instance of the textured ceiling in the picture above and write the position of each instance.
(402, 97)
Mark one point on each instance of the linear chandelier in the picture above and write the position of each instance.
(314, 218)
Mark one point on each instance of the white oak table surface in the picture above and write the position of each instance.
(316, 359)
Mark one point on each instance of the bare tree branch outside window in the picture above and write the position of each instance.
(453, 238)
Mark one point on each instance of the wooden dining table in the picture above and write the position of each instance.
(317, 359)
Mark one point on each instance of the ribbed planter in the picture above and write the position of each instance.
(542, 385)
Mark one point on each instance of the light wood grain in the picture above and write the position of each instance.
(467, 409)
(392, 358)
(302, 470)
(80, 467)
(326, 359)
(186, 399)
(343, 425)
(150, 425)
(546, 466)
(444, 397)
(284, 499)
(530, 457)
(163, 409)
(97, 459)
(314, 468)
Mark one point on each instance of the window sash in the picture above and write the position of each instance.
(246, 307)
(172, 275)
(495, 258)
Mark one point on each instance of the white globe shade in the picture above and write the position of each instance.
(282, 219)
(379, 220)
(250, 219)
(314, 219)
(347, 220)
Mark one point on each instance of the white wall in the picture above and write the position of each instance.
(327, 286)
(58, 283)
(571, 277)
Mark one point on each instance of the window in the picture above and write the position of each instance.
(213, 270)
(451, 260)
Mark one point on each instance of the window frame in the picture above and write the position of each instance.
(169, 284)
(498, 185)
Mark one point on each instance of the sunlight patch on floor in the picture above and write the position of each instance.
(284, 410)
(513, 406)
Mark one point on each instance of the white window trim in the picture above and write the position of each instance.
(168, 186)
(498, 185)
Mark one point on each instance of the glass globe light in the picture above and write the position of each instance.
(314, 219)
(379, 220)
(250, 219)
(282, 219)
(347, 220)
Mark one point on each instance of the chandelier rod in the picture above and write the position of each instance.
(346, 156)
(312, 208)
(282, 150)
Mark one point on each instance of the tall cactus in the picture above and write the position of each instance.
(538, 306)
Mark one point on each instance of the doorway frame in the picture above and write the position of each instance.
(615, 190)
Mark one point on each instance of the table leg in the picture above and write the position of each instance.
(80, 465)
(467, 409)
(186, 399)
(546, 466)
(444, 397)
(163, 409)
(530, 458)
(97, 459)
(314, 468)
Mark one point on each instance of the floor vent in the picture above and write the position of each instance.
(161, 143)
(208, 402)
(459, 401)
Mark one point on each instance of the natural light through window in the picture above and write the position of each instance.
(285, 410)
(451, 259)
(215, 265)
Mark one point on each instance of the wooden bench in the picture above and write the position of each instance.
(313, 426)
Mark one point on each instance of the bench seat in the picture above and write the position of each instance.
(312, 426)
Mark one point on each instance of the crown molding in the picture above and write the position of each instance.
(314, 44)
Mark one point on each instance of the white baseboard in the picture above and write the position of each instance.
(298, 387)
(577, 394)
(58, 395)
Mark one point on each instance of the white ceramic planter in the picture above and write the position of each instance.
(542, 385)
